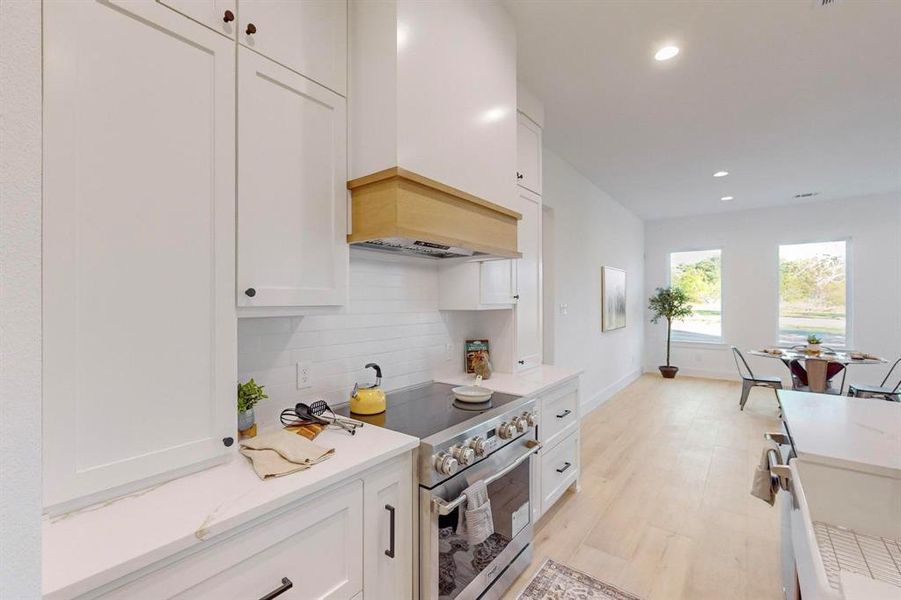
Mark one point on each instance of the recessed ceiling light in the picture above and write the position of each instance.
(666, 53)
(721, 173)
(727, 198)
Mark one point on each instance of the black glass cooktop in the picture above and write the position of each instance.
(424, 410)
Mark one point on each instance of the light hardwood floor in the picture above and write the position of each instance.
(665, 511)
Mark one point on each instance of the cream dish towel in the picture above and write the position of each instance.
(281, 452)
(763, 486)
(476, 521)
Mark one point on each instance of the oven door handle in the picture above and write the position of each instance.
(445, 508)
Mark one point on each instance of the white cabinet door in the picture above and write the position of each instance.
(528, 153)
(528, 282)
(138, 241)
(388, 539)
(497, 279)
(315, 545)
(219, 15)
(292, 201)
(307, 36)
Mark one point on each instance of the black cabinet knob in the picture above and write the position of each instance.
(250, 292)
(516, 297)
(519, 175)
(251, 29)
(522, 362)
(228, 17)
(228, 441)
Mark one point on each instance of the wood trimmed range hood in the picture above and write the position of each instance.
(399, 211)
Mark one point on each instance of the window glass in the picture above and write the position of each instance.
(699, 274)
(813, 293)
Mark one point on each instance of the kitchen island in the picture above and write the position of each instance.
(843, 506)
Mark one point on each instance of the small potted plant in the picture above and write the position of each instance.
(669, 303)
(814, 344)
(249, 394)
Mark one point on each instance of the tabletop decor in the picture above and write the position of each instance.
(249, 395)
(669, 303)
(814, 344)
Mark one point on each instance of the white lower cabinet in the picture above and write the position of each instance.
(388, 536)
(316, 545)
(332, 546)
(559, 465)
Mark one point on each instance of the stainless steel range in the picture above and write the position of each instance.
(460, 445)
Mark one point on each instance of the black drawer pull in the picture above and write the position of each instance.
(565, 466)
(565, 413)
(390, 551)
(285, 586)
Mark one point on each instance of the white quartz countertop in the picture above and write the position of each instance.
(863, 434)
(525, 383)
(85, 549)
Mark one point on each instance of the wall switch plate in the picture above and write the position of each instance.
(304, 375)
(448, 351)
(564, 310)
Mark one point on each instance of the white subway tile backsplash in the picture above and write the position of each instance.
(392, 319)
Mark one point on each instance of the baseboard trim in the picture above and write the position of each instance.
(608, 392)
(703, 373)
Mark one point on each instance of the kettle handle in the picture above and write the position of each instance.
(378, 372)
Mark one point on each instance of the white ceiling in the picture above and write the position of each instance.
(787, 97)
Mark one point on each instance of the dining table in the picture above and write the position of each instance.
(816, 363)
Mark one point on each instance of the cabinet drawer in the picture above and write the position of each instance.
(559, 411)
(317, 545)
(559, 468)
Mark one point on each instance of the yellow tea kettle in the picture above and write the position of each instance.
(368, 399)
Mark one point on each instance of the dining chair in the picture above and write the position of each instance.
(880, 391)
(749, 380)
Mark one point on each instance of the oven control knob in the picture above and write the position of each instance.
(506, 430)
(521, 423)
(479, 446)
(445, 463)
(531, 419)
(463, 454)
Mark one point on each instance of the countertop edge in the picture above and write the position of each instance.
(214, 534)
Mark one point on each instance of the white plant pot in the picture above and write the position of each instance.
(813, 348)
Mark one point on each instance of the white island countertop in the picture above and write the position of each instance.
(87, 548)
(524, 383)
(863, 434)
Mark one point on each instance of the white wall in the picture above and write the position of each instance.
(592, 230)
(750, 242)
(20, 300)
(392, 319)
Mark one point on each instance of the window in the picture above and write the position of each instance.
(813, 293)
(699, 274)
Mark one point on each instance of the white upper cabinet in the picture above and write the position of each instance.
(138, 245)
(307, 36)
(218, 15)
(528, 154)
(497, 282)
(528, 282)
(477, 285)
(292, 197)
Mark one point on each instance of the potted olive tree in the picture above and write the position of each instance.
(669, 303)
(249, 394)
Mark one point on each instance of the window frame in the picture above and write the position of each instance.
(721, 342)
(849, 338)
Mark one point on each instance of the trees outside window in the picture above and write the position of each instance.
(813, 292)
(698, 273)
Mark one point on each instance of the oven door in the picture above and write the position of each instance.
(450, 567)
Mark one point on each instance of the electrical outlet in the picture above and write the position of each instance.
(304, 375)
(448, 351)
